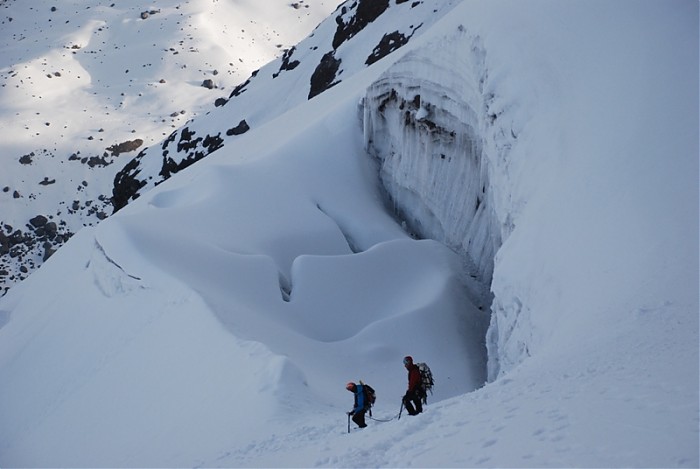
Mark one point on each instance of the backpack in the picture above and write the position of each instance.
(370, 396)
(427, 382)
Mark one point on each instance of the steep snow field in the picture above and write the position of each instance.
(215, 320)
(85, 85)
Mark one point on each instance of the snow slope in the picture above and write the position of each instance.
(215, 319)
(84, 85)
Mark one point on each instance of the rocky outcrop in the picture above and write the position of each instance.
(324, 76)
(125, 147)
(354, 19)
(23, 249)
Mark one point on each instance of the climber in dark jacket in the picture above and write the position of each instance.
(415, 392)
(358, 411)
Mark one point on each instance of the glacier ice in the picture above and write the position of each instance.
(423, 121)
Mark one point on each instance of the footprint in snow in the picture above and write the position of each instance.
(489, 443)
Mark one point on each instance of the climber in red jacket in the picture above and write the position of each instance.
(413, 396)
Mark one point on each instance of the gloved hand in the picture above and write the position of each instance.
(352, 412)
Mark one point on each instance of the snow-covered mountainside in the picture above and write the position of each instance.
(85, 85)
(505, 190)
(306, 70)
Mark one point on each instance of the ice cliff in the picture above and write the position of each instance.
(431, 123)
(424, 120)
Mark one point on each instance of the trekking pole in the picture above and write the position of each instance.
(348, 422)
(400, 410)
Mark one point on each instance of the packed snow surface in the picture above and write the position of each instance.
(215, 320)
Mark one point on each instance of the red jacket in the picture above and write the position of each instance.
(414, 379)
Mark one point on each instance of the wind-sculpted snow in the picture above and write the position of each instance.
(424, 120)
(359, 34)
(85, 85)
(304, 267)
